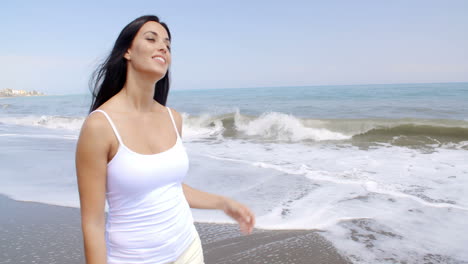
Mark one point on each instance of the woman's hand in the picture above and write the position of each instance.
(240, 213)
(204, 200)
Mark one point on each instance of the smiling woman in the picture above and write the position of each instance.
(112, 75)
(132, 155)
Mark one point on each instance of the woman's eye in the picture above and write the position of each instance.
(169, 48)
(150, 39)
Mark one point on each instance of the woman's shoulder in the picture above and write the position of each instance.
(97, 119)
(96, 124)
(174, 112)
(177, 119)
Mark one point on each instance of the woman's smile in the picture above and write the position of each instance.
(160, 59)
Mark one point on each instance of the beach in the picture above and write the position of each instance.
(378, 171)
(32, 232)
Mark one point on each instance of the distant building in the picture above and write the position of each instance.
(10, 93)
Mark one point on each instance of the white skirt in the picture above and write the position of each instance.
(192, 255)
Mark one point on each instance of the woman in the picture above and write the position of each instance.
(127, 155)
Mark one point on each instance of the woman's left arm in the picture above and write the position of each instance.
(203, 200)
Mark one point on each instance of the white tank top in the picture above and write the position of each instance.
(149, 218)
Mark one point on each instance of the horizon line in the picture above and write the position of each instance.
(280, 86)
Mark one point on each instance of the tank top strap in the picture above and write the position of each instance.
(173, 122)
(111, 123)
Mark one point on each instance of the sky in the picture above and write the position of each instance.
(54, 46)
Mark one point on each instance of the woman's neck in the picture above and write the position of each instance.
(138, 92)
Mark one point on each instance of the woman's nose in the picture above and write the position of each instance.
(162, 47)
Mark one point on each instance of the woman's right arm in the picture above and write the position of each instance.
(91, 167)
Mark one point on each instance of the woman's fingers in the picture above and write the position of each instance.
(249, 221)
(242, 214)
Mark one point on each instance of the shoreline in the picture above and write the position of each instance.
(34, 232)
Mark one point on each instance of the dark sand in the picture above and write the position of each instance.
(38, 233)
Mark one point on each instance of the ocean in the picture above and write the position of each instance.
(379, 170)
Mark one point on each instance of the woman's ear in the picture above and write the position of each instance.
(127, 55)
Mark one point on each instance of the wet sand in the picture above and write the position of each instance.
(32, 232)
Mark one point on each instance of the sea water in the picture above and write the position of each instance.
(380, 170)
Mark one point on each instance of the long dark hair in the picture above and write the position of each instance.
(109, 78)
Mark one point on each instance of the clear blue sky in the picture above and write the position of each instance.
(53, 46)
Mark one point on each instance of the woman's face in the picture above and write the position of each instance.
(150, 50)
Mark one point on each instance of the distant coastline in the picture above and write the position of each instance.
(13, 93)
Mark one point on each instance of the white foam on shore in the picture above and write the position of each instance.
(71, 137)
(408, 197)
(52, 122)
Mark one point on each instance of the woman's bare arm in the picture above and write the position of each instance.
(91, 166)
(204, 200)
(237, 211)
